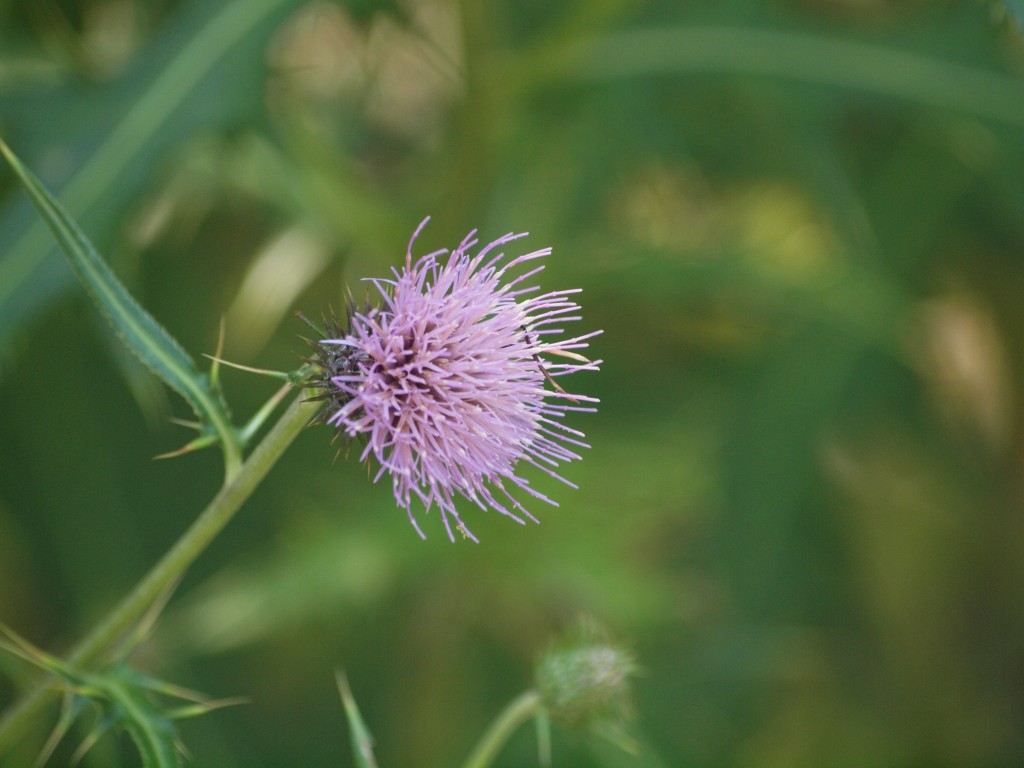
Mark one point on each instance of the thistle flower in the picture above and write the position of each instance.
(446, 380)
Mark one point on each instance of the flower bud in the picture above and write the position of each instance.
(585, 682)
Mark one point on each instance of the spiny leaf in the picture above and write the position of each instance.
(165, 96)
(133, 709)
(127, 699)
(71, 707)
(23, 649)
(189, 447)
(136, 327)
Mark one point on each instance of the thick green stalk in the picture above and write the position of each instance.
(173, 564)
(519, 711)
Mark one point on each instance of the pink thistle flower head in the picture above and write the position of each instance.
(451, 380)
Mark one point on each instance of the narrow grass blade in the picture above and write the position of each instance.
(362, 741)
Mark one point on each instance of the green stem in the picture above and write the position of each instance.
(520, 710)
(173, 564)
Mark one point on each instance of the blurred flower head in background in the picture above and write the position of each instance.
(449, 383)
(584, 683)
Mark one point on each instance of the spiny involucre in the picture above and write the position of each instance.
(450, 381)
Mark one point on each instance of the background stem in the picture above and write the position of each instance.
(173, 564)
(521, 709)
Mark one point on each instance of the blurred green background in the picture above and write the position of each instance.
(800, 224)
